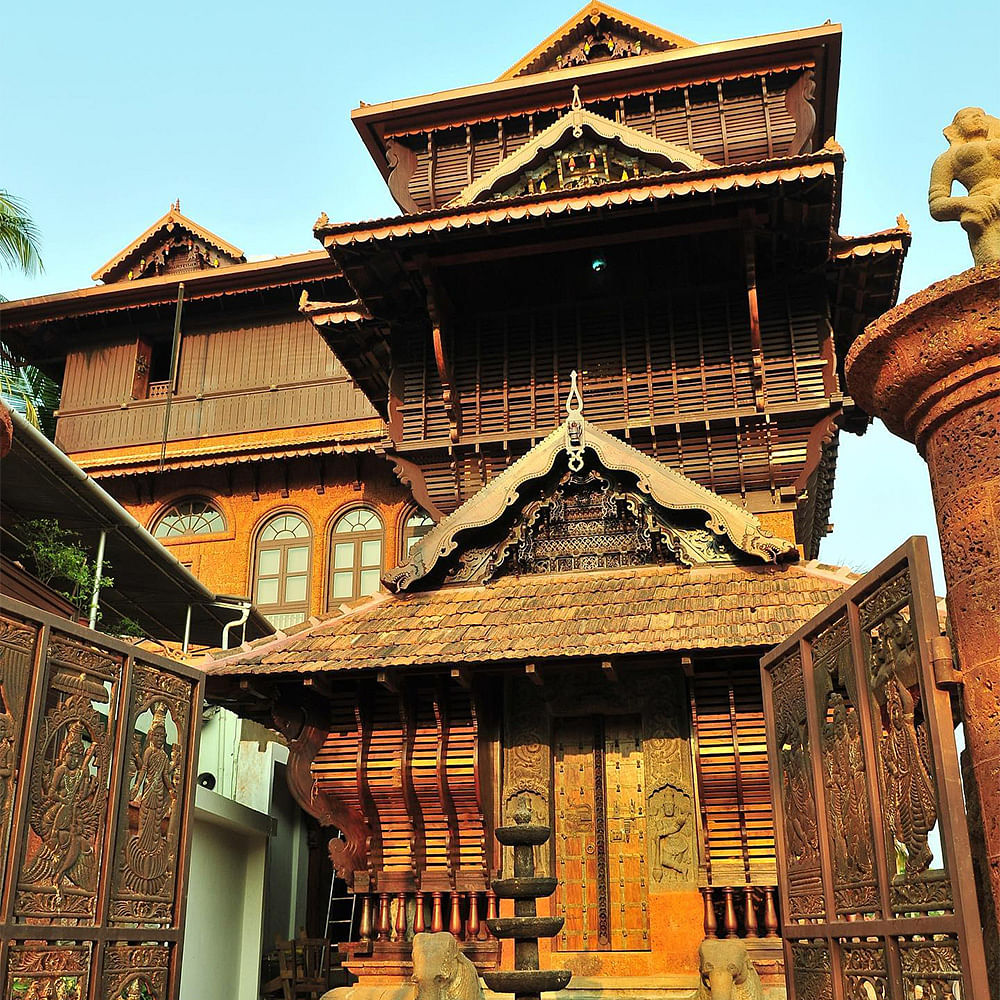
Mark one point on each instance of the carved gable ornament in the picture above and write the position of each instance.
(581, 500)
(580, 150)
(172, 244)
(596, 33)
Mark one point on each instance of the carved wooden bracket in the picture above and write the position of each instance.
(797, 103)
(441, 314)
(402, 162)
(756, 344)
(306, 734)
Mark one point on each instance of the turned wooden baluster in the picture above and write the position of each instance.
(437, 917)
(455, 919)
(365, 928)
(751, 912)
(711, 924)
(491, 905)
(770, 913)
(400, 928)
(383, 917)
(418, 917)
(730, 918)
(472, 928)
(483, 931)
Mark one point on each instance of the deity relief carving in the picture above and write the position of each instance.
(69, 795)
(972, 159)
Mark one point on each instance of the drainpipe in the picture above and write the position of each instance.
(98, 570)
(187, 631)
(242, 620)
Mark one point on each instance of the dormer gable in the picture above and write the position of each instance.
(596, 33)
(580, 149)
(172, 244)
(582, 499)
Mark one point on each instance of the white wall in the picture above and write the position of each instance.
(224, 921)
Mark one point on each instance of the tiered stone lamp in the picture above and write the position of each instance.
(526, 981)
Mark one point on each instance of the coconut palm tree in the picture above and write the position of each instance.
(22, 387)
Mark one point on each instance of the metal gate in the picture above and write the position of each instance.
(98, 746)
(877, 892)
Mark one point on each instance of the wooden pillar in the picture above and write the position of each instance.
(770, 913)
(730, 913)
(437, 917)
(750, 921)
(472, 926)
(365, 928)
(400, 926)
(383, 917)
(455, 919)
(711, 924)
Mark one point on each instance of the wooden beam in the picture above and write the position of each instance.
(534, 674)
(389, 680)
(463, 676)
(610, 673)
(321, 685)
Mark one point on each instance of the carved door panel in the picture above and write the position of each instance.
(600, 834)
(626, 817)
(873, 850)
(576, 833)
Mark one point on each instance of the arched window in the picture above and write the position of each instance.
(417, 525)
(356, 562)
(281, 577)
(191, 516)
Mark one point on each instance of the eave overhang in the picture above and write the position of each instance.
(150, 585)
(818, 48)
(233, 280)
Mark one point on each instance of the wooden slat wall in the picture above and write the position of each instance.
(385, 777)
(428, 735)
(653, 360)
(735, 797)
(233, 368)
(757, 125)
(461, 771)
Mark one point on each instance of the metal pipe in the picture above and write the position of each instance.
(98, 571)
(187, 631)
(242, 620)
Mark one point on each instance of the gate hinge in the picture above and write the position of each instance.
(946, 674)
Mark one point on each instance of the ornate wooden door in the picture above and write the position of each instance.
(874, 867)
(600, 834)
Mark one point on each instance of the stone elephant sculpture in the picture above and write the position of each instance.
(727, 973)
(441, 971)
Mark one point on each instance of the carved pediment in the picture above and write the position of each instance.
(596, 33)
(581, 149)
(172, 244)
(583, 500)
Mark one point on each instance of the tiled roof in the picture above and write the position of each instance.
(595, 614)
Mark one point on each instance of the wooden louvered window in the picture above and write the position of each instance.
(735, 798)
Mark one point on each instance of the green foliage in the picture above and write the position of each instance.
(20, 239)
(60, 561)
(28, 390)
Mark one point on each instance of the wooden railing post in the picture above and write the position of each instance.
(770, 913)
(750, 921)
(418, 917)
(400, 928)
(472, 927)
(711, 925)
(455, 919)
(730, 915)
(437, 917)
(383, 917)
(365, 928)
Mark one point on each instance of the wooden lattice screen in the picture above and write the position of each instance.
(97, 765)
(734, 793)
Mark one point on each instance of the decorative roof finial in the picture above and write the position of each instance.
(176, 206)
(574, 425)
(576, 104)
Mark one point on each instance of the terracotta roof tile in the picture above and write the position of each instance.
(646, 610)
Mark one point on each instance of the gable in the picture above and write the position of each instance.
(584, 500)
(580, 149)
(596, 33)
(173, 244)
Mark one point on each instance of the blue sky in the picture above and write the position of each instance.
(242, 111)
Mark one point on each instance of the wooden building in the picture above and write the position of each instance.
(608, 559)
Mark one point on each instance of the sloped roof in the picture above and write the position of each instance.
(575, 436)
(544, 55)
(649, 610)
(572, 124)
(158, 232)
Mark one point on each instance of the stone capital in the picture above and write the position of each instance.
(934, 354)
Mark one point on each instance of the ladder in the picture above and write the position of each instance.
(340, 912)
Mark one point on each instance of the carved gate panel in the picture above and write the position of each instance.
(873, 851)
(97, 770)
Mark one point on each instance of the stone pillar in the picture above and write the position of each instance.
(930, 369)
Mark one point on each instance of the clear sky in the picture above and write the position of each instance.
(242, 111)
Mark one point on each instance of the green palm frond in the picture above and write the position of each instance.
(20, 240)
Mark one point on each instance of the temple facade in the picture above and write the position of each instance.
(528, 476)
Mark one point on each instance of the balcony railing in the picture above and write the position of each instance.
(745, 911)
